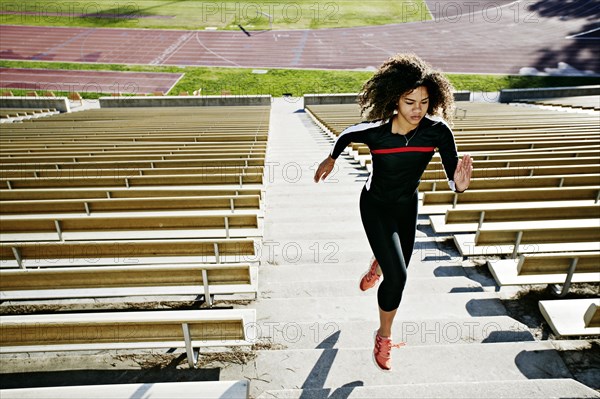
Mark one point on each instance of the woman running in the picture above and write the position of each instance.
(406, 104)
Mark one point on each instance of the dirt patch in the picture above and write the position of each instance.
(107, 304)
(234, 356)
(16, 308)
(148, 361)
(265, 344)
(232, 302)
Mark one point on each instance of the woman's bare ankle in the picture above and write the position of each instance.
(384, 333)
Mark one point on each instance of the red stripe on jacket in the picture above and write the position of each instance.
(403, 149)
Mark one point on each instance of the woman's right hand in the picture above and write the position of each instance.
(324, 169)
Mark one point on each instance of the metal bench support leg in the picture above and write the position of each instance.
(207, 297)
(517, 244)
(191, 355)
(565, 288)
(18, 257)
(216, 249)
(58, 230)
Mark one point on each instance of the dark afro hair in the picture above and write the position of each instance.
(399, 75)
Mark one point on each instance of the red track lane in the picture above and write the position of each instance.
(500, 41)
(87, 81)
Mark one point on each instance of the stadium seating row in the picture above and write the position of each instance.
(581, 102)
(113, 203)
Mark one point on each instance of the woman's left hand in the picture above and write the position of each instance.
(462, 174)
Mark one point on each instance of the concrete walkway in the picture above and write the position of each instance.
(461, 342)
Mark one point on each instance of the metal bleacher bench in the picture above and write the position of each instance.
(115, 173)
(187, 329)
(572, 317)
(127, 227)
(548, 268)
(122, 193)
(519, 182)
(469, 220)
(115, 252)
(139, 181)
(531, 236)
(439, 202)
(232, 203)
(125, 281)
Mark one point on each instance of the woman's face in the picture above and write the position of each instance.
(412, 106)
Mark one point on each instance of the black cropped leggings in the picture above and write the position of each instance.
(391, 231)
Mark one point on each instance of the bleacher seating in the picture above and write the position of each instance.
(132, 280)
(548, 268)
(580, 102)
(21, 114)
(189, 329)
(131, 203)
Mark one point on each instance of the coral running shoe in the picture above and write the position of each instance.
(370, 278)
(382, 351)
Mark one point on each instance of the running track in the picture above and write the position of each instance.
(42, 80)
(501, 41)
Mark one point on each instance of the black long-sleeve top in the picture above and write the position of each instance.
(399, 161)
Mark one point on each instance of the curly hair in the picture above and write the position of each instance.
(399, 75)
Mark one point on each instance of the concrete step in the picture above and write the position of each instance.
(361, 308)
(341, 229)
(349, 228)
(333, 268)
(302, 179)
(333, 286)
(316, 216)
(334, 209)
(532, 389)
(320, 250)
(351, 255)
(319, 196)
(166, 390)
(299, 171)
(334, 368)
(359, 334)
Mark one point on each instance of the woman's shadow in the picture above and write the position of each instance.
(314, 385)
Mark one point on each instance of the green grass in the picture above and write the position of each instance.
(276, 82)
(222, 14)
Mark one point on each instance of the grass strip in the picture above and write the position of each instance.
(277, 82)
(221, 14)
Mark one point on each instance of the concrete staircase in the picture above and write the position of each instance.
(460, 340)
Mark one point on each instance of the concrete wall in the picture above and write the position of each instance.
(182, 101)
(350, 98)
(320, 99)
(509, 95)
(463, 95)
(59, 103)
